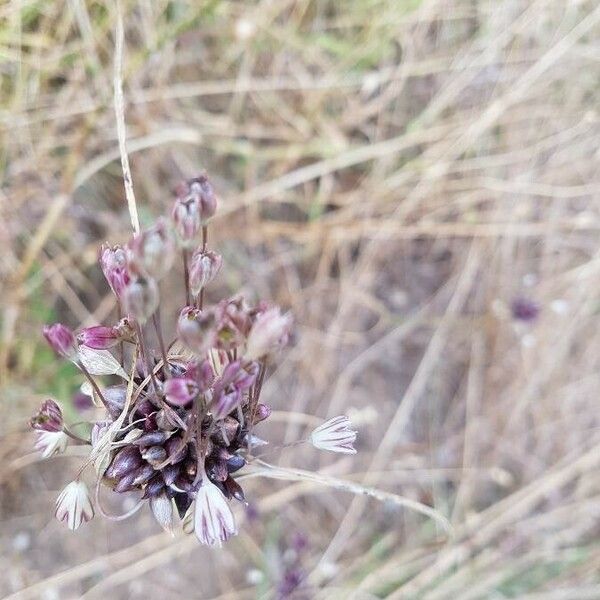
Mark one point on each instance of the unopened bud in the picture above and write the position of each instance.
(162, 509)
(186, 219)
(113, 261)
(125, 461)
(152, 251)
(155, 455)
(269, 333)
(61, 340)
(233, 488)
(114, 397)
(141, 299)
(204, 267)
(98, 337)
(235, 463)
(261, 413)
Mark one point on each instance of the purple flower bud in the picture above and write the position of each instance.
(202, 373)
(142, 475)
(180, 391)
(225, 402)
(197, 329)
(113, 262)
(155, 486)
(233, 323)
(176, 449)
(61, 340)
(186, 219)
(48, 417)
(525, 309)
(141, 299)
(234, 489)
(269, 333)
(152, 251)
(114, 399)
(204, 267)
(262, 412)
(235, 463)
(152, 439)
(170, 473)
(226, 431)
(155, 455)
(217, 470)
(98, 337)
(125, 461)
(81, 401)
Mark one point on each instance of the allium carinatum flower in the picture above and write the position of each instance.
(213, 520)
(181, 425)
(74, 506)
(48, 417)
(50, 443)
(335, 435)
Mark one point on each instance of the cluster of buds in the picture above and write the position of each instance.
(180, 424)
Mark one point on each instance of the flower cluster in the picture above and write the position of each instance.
(179, 422)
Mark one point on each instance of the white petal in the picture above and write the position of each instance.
(100, 362)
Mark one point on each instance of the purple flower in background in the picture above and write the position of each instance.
(525, 309)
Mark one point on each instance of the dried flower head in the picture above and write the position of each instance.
(335, 435)
(74, 505)
(181, 425)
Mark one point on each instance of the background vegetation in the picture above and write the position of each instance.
(414, 179)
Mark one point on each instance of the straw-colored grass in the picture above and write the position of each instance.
(396, 173)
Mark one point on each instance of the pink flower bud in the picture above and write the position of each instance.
(225, 402)
(196, 203)
(202, 373)
(269, 333)
(113, 262)
(197, 329)
(61, 340)
(186, 219)
(202, 188)
(48, 417)
(152, 251)
(180, 391)
(98, 337)
(141, 299)
(204, 267)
